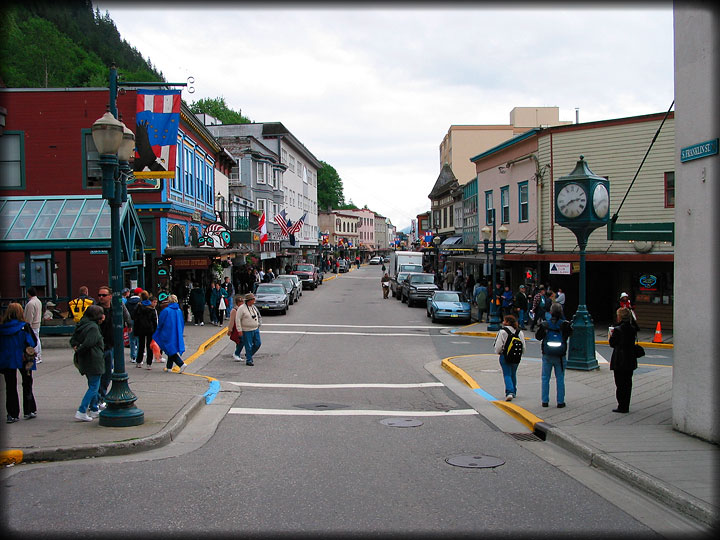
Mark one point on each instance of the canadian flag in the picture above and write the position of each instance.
(263, 229)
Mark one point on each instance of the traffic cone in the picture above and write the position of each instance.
(658, 334)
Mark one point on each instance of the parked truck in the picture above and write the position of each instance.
(405, 261)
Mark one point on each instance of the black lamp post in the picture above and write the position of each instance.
(494, 321)
(116, 143)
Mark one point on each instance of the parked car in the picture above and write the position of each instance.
(344, 266)
(417, 288)
(450, 305)
(292, 287)
(307, 273)
(297, 282)
(272, 297)
(375, 260)
(396, 283)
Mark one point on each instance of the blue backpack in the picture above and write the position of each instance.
(553, 343)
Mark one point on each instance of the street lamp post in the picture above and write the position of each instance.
(494, 321)
(115, 143)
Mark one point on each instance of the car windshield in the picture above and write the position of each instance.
(447, 297)
(269, 288)
(423, 278)
(304, 267)
(411, 267)
(402, 275)
(285, 281)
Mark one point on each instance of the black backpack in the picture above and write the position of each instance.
(513, 347)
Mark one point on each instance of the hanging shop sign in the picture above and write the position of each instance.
(648, 282)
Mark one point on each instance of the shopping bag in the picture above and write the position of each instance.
(126, 336)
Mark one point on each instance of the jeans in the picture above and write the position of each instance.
(549, 363)
(251, 340)
(521, 317)
(133, 345)
(90, 399)
(106, 377)
(509, 376)
(229, 307)
(239, 347)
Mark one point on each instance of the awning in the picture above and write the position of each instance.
(451, 241)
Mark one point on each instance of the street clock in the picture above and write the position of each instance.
(582, 200)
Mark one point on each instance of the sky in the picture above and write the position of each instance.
(372, 90)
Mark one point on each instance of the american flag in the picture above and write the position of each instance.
(282, 220)
(298, 224)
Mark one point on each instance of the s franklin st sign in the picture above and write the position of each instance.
(700, 150)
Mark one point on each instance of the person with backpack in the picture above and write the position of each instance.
(553, 334)
(80, 304)
(131, 304)
(510, 345)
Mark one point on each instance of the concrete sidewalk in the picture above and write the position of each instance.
(168, 400)
(640, 448)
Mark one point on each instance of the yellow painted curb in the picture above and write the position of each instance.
(10, 457)
(202, 348)
(520, 414)
(459, 373)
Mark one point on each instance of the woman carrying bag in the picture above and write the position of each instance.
(88, 344)
(233, 331)
(624, 357)
(16, 336)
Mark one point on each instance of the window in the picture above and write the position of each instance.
(189, 163)
(505, 204)
(523, 202)
(260, 204)
(292, 164)
(178, 168)
(260, 173)
(285, 157)
(488, 207)
(670, 189)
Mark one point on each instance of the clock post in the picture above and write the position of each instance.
(582, 205)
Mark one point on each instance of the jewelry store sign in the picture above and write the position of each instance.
(700, 150)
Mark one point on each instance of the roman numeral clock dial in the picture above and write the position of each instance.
(572, 200)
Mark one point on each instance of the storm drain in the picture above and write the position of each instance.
(321, 406)
(476, 461)
(401, 422)
(526, 436)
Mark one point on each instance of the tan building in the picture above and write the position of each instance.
(343, 228)
(462, 142)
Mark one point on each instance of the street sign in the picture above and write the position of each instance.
(560, 268)
(699, 150)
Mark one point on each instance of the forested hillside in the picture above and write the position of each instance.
(45, 44)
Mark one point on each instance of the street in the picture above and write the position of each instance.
(301, 443)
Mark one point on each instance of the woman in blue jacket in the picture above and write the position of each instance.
(169, 334)
(15, 335)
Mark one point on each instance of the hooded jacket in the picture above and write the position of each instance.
(146, 319)
(89, 357)
(13, 340)
(169, 333)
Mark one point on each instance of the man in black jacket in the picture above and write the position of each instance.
(106, 328)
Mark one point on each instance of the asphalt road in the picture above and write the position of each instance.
(300, 443)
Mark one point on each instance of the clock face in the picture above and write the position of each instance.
(571, 200)
(601, 201)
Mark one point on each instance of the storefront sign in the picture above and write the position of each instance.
(699, 150)
(560, 268)
(190, 263)
(648, 282)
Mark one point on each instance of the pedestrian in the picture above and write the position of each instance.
(385, 284)
(197, 305)
(232, 331)
(508, 302)
(560, 298)
(537, 312)
(449, 278)
(124, 295)
(624, 359)
(624, 302)
(520, 306)
(106, 329)
(33, 316)
(89, 359)
(230, 290)
(469, 286)
(480, 294)
(458, 282)
(222, 302)
(80, 304)
(131, 304)
(554, 336)
(509, 330)
(16, 335)
(169, 334)
(248, 321)
(214, 302)
(146, 321)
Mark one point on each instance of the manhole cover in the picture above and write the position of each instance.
(401, 422)
(321, 406)
(476, 461)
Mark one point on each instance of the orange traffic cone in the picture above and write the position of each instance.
(658, 334)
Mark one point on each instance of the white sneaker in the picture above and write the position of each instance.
(236, 358)
(102, 405)
(508, 397)
(202, 324)
(182, 368)
(138, 364)
(93, 414)
(82, 416)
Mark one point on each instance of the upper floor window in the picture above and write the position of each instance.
(488, 207)
(670, 189)
(291, 165)
(523, 202)
(505, 204)
(260, 173)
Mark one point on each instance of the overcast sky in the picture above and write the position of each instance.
(373, 91)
